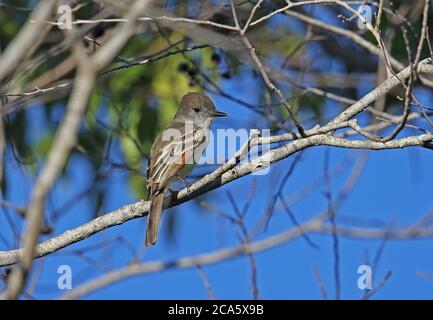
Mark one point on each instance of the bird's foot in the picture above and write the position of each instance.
(187, 184)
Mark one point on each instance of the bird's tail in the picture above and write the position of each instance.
(153, 219)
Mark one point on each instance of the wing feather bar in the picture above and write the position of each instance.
(173, 156)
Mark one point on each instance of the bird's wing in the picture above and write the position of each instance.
(168, 157)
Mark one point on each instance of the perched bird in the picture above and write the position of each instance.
(175, 152)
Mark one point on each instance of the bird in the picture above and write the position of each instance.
(175, 152)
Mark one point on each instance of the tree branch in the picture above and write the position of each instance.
(209, 182)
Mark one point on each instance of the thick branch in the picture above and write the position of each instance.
(207, 183)
(64, 141)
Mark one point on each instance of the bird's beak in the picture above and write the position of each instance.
(219, 114)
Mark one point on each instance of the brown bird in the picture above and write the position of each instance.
(175, 152)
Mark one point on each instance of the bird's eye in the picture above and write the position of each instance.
(196, 109)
